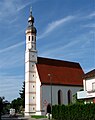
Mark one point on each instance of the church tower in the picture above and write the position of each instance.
(30, 65)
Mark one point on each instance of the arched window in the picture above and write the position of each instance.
(60, 97)
(32, 38)
(69, 94)
(29, 38)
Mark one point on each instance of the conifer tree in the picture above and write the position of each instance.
(22, 94)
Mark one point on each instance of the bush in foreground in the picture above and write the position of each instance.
(74, 112)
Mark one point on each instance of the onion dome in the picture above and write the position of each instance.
(31, 24)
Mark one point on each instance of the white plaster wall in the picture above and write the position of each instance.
(32, 99)
(32, 87)
(32, 108)
(30, 66)
(38, 92)
(26, 87)
(27, 108)
(31, 56)
(30, 76)
(89, 84)
(84, 85)
(26, 99)
(26, 56)
(27, 77)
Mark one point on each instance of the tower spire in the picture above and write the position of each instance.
(31, 10)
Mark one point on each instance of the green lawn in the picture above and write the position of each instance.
(38, 116)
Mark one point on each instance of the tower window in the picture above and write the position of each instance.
(32, 38)
(32, 55)
(32, 65)
(29, 38)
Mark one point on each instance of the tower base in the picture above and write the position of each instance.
(29, 114)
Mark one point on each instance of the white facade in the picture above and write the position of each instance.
(38, 94)
(89, 89)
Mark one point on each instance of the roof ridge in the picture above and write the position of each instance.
(90, 74)
(55, 62)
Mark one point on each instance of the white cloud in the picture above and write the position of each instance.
(23, 6)
(11, 47)
(91, 15)
(59, 48)
(11, 7)
(14, 56)
(6, 8)
(77, 44)
(10, 86)
(89, 25)
(10, 60)
(55, 24)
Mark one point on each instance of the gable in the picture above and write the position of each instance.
(62, 72)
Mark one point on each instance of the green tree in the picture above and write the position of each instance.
(6, 106)
(76, 101)
(19, 103)
(16, 103)
(1, 106)
(22, 95)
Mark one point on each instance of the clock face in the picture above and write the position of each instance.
(33, 57)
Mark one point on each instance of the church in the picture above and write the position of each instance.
(47, 81)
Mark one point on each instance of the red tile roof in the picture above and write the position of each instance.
(90, 74)
(62, 72)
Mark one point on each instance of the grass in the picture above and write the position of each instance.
(38, 116)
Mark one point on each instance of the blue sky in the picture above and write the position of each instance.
(65, 30)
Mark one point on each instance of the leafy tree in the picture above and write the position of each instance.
(4, 106)
(19, 103)
(16, 103)
(1, 105)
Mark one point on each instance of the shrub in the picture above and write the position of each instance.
(74, 112)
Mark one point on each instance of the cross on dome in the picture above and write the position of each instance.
(31, 10)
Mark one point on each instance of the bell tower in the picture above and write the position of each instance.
(30, 65)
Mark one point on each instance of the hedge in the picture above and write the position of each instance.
(74, 112)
